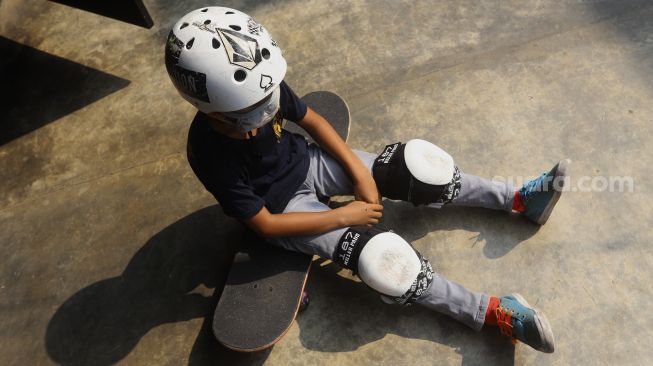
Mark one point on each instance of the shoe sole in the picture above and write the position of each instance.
(561, 171)
(543, 326)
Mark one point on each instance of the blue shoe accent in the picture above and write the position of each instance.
(518, 320)
(540, 195)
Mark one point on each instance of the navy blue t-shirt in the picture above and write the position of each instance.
(245, 175)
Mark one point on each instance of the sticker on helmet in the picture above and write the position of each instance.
(253, 27)
(266, 82)
(204, 27)
(189, 82)
(173, 49)
(242, 50)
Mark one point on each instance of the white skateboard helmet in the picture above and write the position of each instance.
(222, 60)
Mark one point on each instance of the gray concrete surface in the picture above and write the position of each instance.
(112, 252)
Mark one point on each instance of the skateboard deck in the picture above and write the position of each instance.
(330, 106)
(265, 286)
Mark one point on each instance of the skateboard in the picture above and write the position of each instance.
(264, 290)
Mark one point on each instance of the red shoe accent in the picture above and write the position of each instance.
(504, 321)
(490, 314)
(518, 204)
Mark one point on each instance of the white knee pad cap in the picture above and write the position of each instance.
(428, 163)
(389, 264)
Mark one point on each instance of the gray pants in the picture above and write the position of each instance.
(326, 177)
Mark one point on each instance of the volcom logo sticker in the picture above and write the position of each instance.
(242, 50)
(253, 27)
(266, 82)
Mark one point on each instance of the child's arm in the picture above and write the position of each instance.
(328, 139)
(270, 225)
(365, 211)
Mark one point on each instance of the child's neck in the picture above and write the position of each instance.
(230, 131)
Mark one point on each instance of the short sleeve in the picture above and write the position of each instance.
(237, 199)
(292, 108)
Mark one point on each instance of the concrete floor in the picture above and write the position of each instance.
(112, 252)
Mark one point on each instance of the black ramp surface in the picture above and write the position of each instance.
(37, 88)
(130, 11)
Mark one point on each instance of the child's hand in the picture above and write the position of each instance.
(365, 189)
(360, 213)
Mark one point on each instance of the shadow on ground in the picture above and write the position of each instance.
(500, 232)
(37, 88)
(102, 323)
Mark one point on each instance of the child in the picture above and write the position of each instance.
(231, 70)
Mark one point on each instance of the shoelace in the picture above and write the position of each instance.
(532, 187)
(504, 321)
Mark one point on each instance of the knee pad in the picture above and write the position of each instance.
(418, 172)
(385, 262)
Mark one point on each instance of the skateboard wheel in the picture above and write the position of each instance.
(303, 303)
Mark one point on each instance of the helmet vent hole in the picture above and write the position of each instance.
(205, 10)
(229, 12)
(207, 22)
(235, 27)
(184, 25)
(240, 75)
(265, 53)
(190, 43)
(216, 43)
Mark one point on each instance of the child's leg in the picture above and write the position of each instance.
(480, 192)
(442, 295)
(326, 178)
(331, 180)
(535, 200)
(424, 174)
(389, 265)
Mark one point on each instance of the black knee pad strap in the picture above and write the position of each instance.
(420, 285)
(351, 244)
(452, 189)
